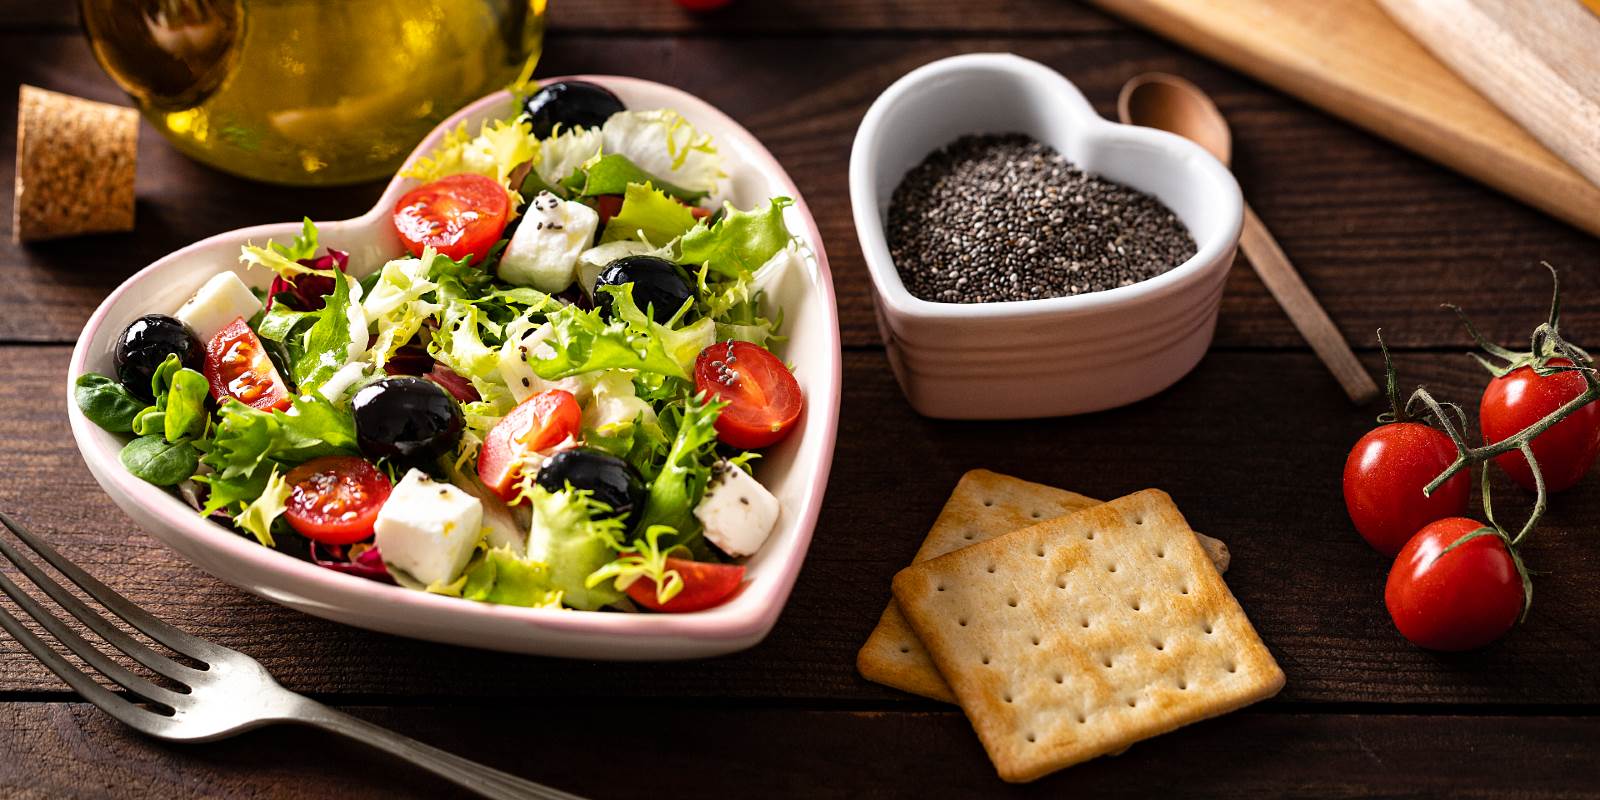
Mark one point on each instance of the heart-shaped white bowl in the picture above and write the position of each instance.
(1063, 355)
(796, 470)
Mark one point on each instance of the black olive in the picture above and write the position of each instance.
(570, 104)
(147, 342)
(657, 284)
(406, 418)
(612, 480)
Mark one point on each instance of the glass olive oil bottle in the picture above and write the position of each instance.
(309, 92)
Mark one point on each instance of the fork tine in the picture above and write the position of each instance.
(118, 707)
(133, 682)
(140, 619)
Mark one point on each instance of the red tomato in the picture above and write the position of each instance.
(1384, 477)
(237, 366)
(335, 499)
(1461, 601)
(459, 216)
(539, 423)
(764, 401)
(1522, 397)
(703, 5)
(705, 584)
(607, 206)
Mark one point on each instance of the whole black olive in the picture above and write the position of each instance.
(406, 418)
(612, 480)
(147, 342)
(570, 104)
(658, 284)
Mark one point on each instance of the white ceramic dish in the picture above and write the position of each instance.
(1064, 355)
(796, 470)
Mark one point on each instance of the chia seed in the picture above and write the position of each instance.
(1005, 217)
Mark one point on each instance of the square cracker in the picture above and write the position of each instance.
(1079, 636)
(984, 505)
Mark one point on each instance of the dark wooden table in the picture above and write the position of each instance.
(1251, 445)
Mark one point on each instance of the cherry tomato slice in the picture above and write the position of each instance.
(607, 206)
(1383, 481)
(764, 400)
(539, 423)
(237, 366)
(335, 499)
(705, 585)
(1459, 601)
(1522, 397)
(459, 216)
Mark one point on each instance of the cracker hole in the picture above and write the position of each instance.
(1037, 515)
(1132, 702)
(1035, 641)
(1012, 602)
(1082, 718)
(1090, 536)
(1233, 668)
(1159, 645)
(1039, 552)
(1061, 582)
(986, 659)
(1112, 568)
(941, 587)
(991, 569)
(1135, 604)
(1106, 662)
(1183, 685)
(1030, 738)
(1060, 678)
(1138, 520)
(1009, 698)
(963, 622)
(1084, 622)
(1185, 590)
(905, 649)
(968, 537)
(1162, 553)
(988, 504)
(1208, 629)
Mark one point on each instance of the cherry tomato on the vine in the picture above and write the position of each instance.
(1462, 600)
(1522, 397)
(1384, 477)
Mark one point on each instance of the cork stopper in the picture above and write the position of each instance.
(75, 166)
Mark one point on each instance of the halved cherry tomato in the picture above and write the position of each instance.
(335, 499)
(1384, 477)
(764, 400)
(459, 216)
(1462, 600)
(539, 423)
(705, 584)
(1522, 397)
(237, 366)
(607, 206)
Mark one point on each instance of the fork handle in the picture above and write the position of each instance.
(470, 775)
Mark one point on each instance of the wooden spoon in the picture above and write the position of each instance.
(1170, 103)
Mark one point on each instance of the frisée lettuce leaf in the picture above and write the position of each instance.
(248, 444)
(648, 215)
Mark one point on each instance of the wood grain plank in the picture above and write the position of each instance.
(74, 750)
(1251, 447)
(1380, 236)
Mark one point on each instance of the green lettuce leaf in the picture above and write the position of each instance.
(565, 153)
(739, 243)
(396, 304)
(682, 478)
(645, 558)
(155, 460)
(331, 340)
(580, 341)
(257, 516)
(106, 403)
(648, 215)
(185, 406)
(500, 146)
(612, 173)
(247, 445)
(683, 344)
(501, 576)
(661, 142)
(283, 259)
(571, 538)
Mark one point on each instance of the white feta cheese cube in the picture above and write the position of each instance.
(543, 253)
(428, 528)
(737, 511)
(219, 302)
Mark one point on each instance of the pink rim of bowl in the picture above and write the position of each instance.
(738, 624)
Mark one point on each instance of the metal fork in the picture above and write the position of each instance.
(228, 693)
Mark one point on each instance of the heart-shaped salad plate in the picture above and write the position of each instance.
(795, 470)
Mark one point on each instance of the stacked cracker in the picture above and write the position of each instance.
(1067, 628)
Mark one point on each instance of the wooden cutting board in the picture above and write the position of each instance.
(1349, 58)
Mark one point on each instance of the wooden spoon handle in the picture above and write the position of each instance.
(1303, 309)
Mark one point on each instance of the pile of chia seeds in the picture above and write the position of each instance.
(995, 218)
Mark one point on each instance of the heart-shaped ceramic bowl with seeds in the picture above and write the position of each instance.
(796, 470)
(1056, 356)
